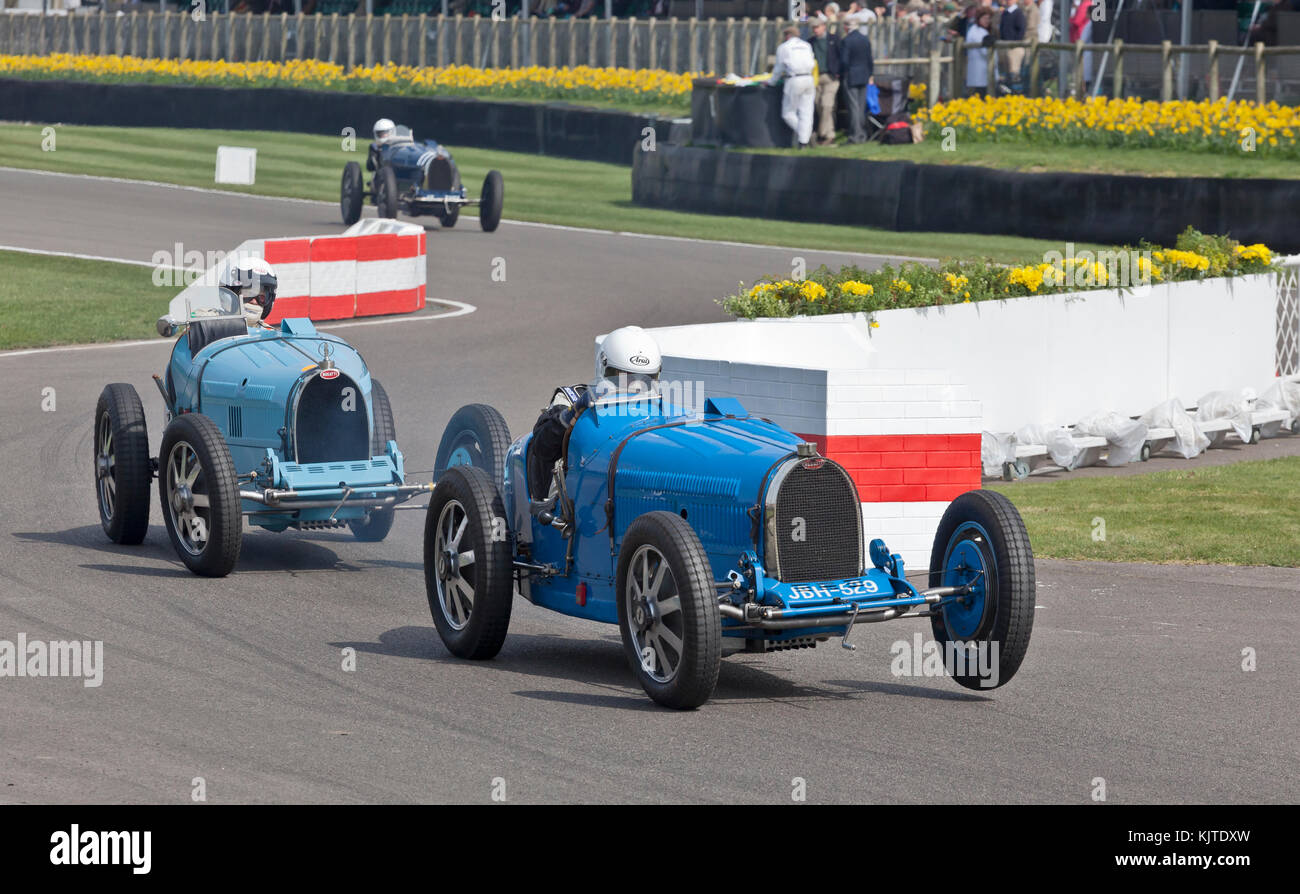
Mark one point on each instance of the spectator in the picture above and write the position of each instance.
(978, 39)
(794, 71)
(1265, 30)
(1033, 16)
(826, 49)
(856, 70)
(1013, 27)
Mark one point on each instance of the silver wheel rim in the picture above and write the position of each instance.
(188, 503)
(455, 571)
(654, 614)
(105, 466)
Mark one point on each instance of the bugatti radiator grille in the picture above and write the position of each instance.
(815, 529)
(441, 177)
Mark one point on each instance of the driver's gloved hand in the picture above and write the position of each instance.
(548, 435)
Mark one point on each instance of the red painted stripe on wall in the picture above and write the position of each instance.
(342, 248)
(287, 251)
(395, 301)
(906, 468)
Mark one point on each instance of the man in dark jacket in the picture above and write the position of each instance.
(1012, 27)
(856, 69)
(826, 49)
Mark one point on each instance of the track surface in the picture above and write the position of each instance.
(1134, 674)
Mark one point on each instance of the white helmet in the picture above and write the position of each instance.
(253, 280)
(629, 350)
(384, 128)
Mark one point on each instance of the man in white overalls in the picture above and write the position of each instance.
(794, 67)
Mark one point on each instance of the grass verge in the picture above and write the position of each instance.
(1244, 513)
(538, 188)
(49, 300)
(1037, 158)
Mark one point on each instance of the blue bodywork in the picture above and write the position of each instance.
(428, 180)
(252, 386)
(714, 469)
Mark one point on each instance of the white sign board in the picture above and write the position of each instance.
(236, 164)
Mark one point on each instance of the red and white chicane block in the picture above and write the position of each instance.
(367, 271)
(910, 438)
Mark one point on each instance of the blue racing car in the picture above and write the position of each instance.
(281, 425)
(696, 532)
(416, 178)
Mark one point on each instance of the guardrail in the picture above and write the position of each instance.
(678, 45)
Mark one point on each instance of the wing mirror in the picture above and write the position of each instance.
(168, 326)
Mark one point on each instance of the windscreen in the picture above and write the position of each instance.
(207, 302)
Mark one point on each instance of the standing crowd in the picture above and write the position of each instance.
(830, 56)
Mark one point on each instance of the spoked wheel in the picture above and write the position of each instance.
(477, 435)
(667, 611)
(200, 495)
(122, 472)
(351, 193)
(982, 542)
(467, 563)
(386, 192)
(490, 201)
(378, 522)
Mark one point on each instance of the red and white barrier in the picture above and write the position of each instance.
(910, 437)
(380, 268)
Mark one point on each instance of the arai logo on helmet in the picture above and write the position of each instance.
(639, 360)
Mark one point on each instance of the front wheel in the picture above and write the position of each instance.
(668, 611)
(449, 216)
(467, 564)
(491, 201)
(378, 522)
(200, 495)
(982, 542)
(122, 473)
(351, 193)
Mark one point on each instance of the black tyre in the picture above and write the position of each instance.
(982, 539)
(386, 192)
(200, 495)
(202, 333)
(491, 201)
(122, 471)
(668, 611)
(376, 525)
(449, 217)
(467, 563)
(478, 436)
(351, 193)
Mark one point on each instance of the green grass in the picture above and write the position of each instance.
(47, 300)
(538, 188)
(1038, 158)
(1244, 513)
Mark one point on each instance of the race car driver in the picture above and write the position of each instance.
(384, 131)
(253, 280)
(628, 362)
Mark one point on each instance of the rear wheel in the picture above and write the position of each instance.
(477, 435)
(982, 542)
(490, 201)
(351, 193)
(467, 567)
(122, 472)
(200, 495)
(668, 611)
(386, 192)
(378, 522)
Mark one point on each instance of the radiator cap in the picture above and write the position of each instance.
(805, 450)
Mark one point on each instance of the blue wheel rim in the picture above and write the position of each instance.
(969, 559)
(460, 457)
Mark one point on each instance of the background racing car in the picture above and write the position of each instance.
(697, 531)
(416, 178)
(283, 426)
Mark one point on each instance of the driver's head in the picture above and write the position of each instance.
(629, 358)
(254, 281)
(384, 129)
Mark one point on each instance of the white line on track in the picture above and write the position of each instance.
(81, 257)
(520, 223)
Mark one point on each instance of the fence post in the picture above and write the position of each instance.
(284, 37)
(672, 44)
(1034, 71)
(958, 69)
(370, 41)
(991, 71)
(1076, 80)
(729, 51)
(550, 42)
(1117, 78)
(712, 63)
(1261, 74)
(352, 42)
(932, 82)
(1214, 71)
(1166, 72)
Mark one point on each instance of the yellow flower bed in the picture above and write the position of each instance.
(1238, 126)
(619, 85)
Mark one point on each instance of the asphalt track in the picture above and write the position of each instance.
(1134, 674)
